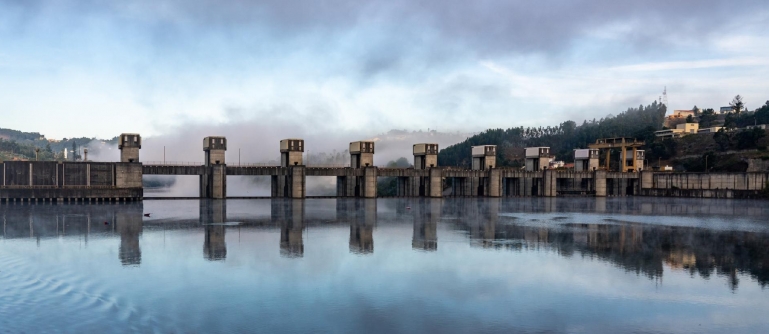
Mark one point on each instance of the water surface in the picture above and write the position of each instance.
(575, 265)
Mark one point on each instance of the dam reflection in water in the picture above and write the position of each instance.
(635, 241)
(452, 265)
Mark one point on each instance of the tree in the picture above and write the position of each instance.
(707, 118)
(690, 119)
(730, 121)
(722, 139)
(749, 138)
(696, 110)
(737, 104)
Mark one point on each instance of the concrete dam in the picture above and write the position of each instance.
(52, 181)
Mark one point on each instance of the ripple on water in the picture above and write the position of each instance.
(80, 304)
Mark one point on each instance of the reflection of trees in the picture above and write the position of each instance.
(644, 249)
(480, 219)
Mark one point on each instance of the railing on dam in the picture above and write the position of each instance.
(172, 163)
(55, 186)
(249, 164)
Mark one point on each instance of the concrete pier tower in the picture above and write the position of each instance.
(484, 158)
(537, 158)
(637, 160)
(291, 151)
(129, 145)
(213, 182)
(128, 172)
(361, 154)
(585, 160)
(214, 148)
(426, 158)
(360, 179)
(290, 182)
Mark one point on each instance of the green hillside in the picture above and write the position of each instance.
(640, 122)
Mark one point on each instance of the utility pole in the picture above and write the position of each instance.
(238, 156)
(164, 154)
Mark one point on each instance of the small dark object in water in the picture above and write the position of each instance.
(146, 215)
(106, 223)
(408, 208)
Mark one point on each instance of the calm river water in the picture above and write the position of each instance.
(573, 265)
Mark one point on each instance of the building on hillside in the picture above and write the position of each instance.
(677, 116)
(680, 131)
(556, 164)
(712, 129)
(760, 126)
(727, 110)
(682, 114)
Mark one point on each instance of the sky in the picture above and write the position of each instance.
(100, 68)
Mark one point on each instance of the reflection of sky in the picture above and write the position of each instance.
(457, 288)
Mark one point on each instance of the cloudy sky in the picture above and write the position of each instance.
(99, 68)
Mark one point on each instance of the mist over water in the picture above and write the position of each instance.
(387, 265)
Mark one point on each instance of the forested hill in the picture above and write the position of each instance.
(638, 122)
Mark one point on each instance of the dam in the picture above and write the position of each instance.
(52, 181)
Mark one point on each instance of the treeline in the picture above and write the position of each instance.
(10, 149)
(640, 122)
(743, 119)
(388, 186)
(19, 135)
(18, 144)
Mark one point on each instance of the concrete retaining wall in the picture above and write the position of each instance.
(35, 180)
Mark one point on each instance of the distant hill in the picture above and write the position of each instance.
(10, 134)
(19, 145)
(638, 122)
